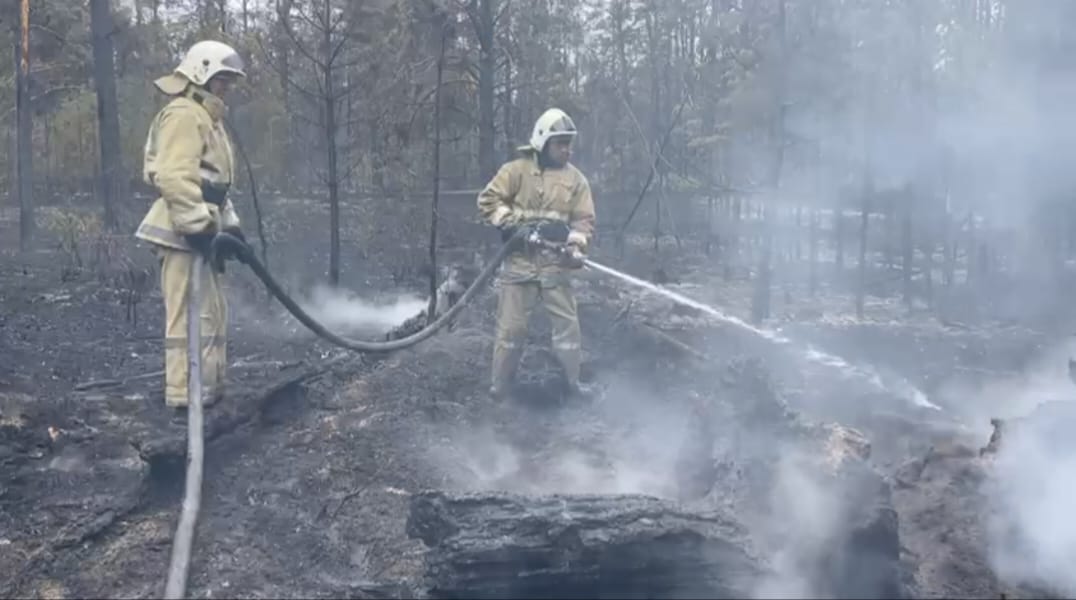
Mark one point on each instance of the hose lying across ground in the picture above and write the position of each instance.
(245, 254)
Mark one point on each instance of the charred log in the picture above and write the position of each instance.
(507, 546)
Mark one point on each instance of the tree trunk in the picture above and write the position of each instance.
(708, 249)
(838, 238)
(25, 130)
(330, 141)
(948, 249)
(431, 309)
(864, 222)
(813, 283)
(283, 9)
(970, 251)
(760, 306)
(907, 250)
(108, 121)
(46, 154)
(487, 72)
(734, 238)
(506, 105)
(928, 266)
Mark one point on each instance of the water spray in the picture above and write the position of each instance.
(811, 353)
(868, 374)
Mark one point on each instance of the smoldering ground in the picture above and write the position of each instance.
(1029, 486)
(1032, 492)
(356, 313)
(682, 437)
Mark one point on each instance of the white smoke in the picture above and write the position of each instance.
(1033, 491)
(804, 517)
(343, 310)
(1030, 485)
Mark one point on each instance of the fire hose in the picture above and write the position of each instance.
(245, 254)
(183, 541)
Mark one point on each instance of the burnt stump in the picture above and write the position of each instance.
(497, 545)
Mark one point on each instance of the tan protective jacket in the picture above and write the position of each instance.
(187, 144)
(522, 191)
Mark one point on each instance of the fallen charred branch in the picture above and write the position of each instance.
(232, 413)
(242, 364)
(509, 546)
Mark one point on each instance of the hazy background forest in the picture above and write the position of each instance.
(909, 146)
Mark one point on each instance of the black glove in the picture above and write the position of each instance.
(554, 231)
(200, 242)
(236, 232)
(227, 252)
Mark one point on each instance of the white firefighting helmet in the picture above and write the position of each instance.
(203, 60)
(553, 122)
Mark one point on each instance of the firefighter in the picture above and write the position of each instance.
(188, 159)
(540, 190)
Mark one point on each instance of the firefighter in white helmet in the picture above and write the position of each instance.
(188, 159)
(541, 190)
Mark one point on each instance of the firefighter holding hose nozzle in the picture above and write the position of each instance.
(543, 192)
(188, 159)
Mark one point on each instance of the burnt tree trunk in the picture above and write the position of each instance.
(813, 283)
(283, 9)
(760, 305)
(838, 238)
(928, 265)
(907, 249)
(330, 141)
(431, 309)
(506, 106)
(734, 241)
(108, 121)
(970, 251)
(864, 223)
(487, 72)
(25, 129)
(949, 249)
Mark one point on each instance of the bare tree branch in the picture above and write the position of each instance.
(501, 13)
(285, 23)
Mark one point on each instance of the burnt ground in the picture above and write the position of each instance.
(307, 487)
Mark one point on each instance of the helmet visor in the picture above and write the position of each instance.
(232, 62)
(563, 125)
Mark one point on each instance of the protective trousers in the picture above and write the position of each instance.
(175, 282)
(514, 307)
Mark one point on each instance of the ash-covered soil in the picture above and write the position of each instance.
(312, 469)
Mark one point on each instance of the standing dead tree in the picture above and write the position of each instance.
(484, 16)
(441, 24)
(323, 33)
(24, 129)
(108, 120)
